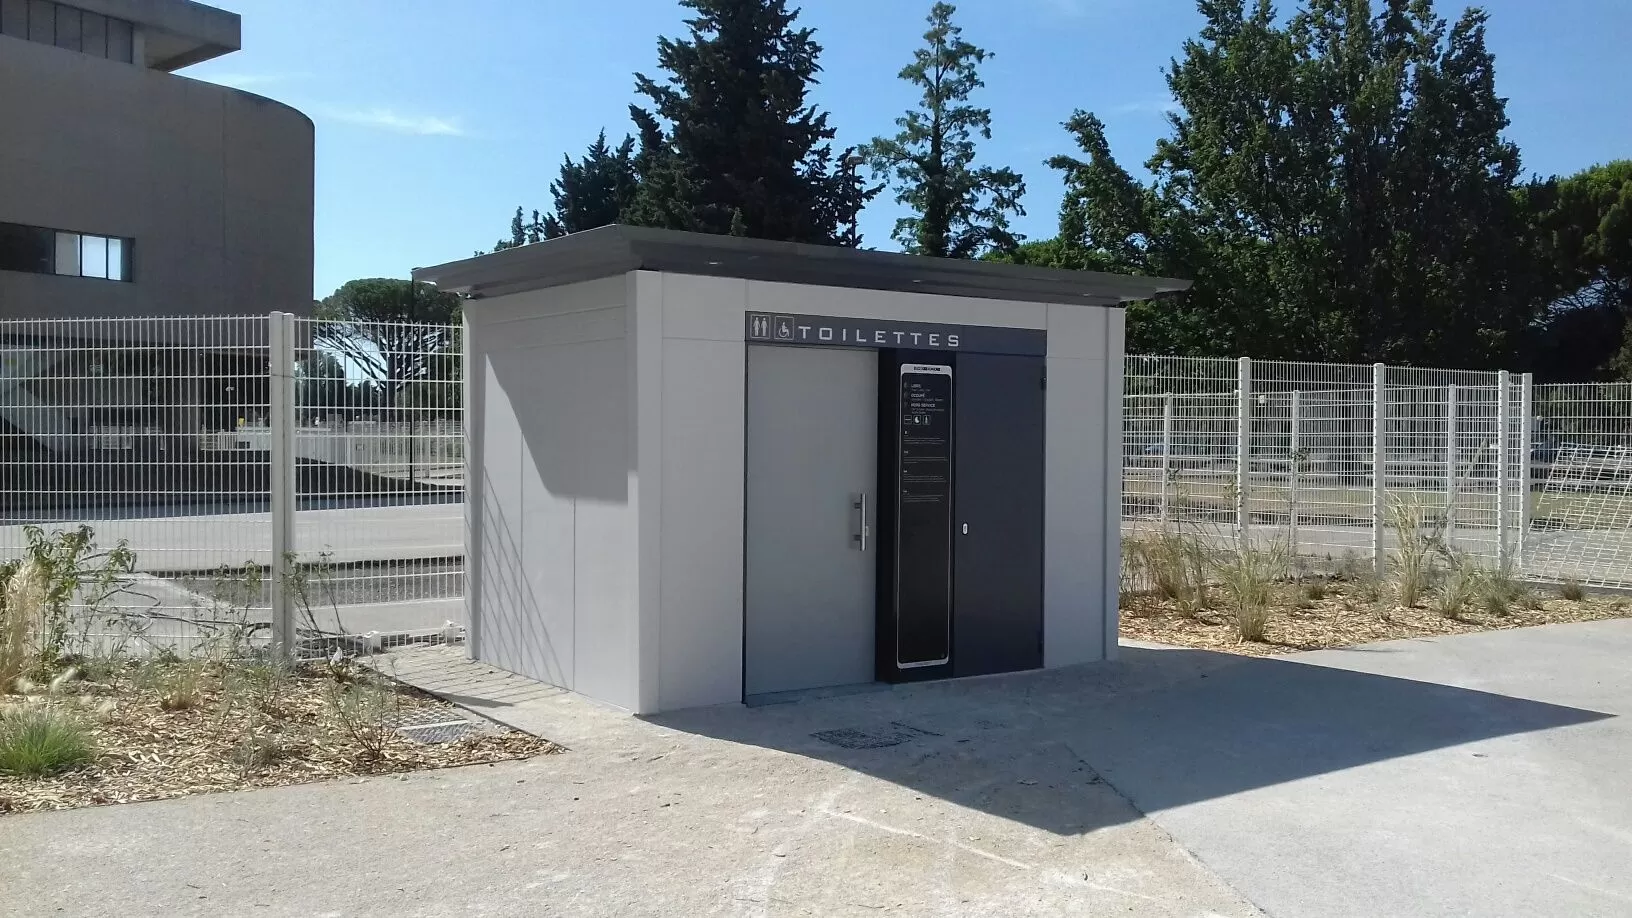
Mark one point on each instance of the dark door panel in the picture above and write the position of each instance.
(997, 618)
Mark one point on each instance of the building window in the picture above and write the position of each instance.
(50, 23)
(38, 250)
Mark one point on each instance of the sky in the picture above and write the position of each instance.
(436, 119)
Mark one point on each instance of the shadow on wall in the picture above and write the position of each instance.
(512, 633)
(1189, 725)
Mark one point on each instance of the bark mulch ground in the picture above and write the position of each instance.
(172, 729)
(1343, 614)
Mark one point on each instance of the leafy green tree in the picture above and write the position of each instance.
(1582, 229)
(960, 210)
(394, 331)
(731, 144)
(1336, 184)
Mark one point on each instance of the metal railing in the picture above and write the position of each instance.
(271, 470)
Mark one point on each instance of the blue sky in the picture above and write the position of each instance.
(435, 119)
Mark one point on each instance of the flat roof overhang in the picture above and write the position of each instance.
(617, 249)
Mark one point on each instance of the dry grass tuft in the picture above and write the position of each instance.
(1247, 577)
(1174, 565)
(1420, 541)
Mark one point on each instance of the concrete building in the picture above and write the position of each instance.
(708, 470)
(130, 192)
(127, 190)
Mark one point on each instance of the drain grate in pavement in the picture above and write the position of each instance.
(445, 732)
(852, 738)
(433, 724)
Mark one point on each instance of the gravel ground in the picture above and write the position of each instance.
(181, 728)
(1344, 614)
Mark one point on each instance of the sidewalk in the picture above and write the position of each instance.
(645, 818)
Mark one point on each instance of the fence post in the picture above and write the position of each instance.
(1450, 466)
(1293, 471)
(1243, 449)
(281, 420)
(1379, 464)
(1527, 424)
(1167, 452)
(1504, 428)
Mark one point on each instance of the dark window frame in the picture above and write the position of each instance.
(48, 244)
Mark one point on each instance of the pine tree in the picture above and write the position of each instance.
(730, 139)
(593, 191)
(959, 210)
(522, 232)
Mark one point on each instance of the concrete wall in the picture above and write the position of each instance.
(553, 505)
(213, 184)
(1082, 486)
(692, 568)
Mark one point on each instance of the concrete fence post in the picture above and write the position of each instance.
(1243, 450)
(281, 421)
(1379, 466)
(1504, 439)
(1527, 432)
(1293, 472)
(1450, 466)
(1167, 454)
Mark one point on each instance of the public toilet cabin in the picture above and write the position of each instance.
(706, 469)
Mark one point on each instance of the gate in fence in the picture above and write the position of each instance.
(251, 466)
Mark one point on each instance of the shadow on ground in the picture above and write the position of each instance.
(1185, 725)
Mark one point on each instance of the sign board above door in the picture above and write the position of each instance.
(837, 331)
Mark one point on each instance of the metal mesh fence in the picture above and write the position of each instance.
(380, 446)
(161, 438)
(1582, 461)
(1328, 460)
(164, 436)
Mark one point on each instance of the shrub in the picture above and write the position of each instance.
(1419, 543)
(22, 606)
(1461, 585)
(39, 739)
(364, 710)
(1571, 590)
(180, 686)
(1247, 577)
(1175, 565)
(1500, 590)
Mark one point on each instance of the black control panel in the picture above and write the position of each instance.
(923, 535)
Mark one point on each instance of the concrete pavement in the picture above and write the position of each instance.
(638, 819)
(1481, 775)
(1474, 775)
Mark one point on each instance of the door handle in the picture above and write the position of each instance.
(858, 528)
